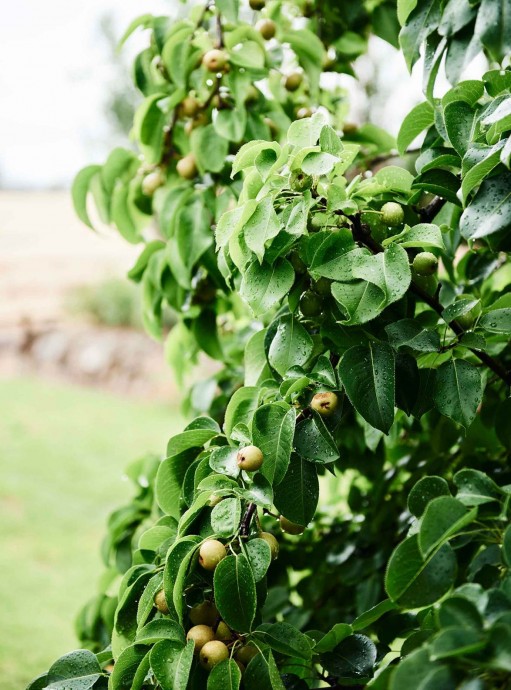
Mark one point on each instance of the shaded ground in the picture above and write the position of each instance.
(75, 444)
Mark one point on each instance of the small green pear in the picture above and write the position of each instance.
(211, 553)
(212, 653)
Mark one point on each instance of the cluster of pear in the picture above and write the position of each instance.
(195, 113)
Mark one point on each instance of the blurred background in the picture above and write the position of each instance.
(83, 390)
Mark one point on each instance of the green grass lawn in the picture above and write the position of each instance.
(62, 454)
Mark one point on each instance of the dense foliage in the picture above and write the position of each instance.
(358, 428)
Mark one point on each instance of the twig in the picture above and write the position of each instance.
(432, 209)
(247, 519)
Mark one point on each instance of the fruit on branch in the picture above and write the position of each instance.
(215, 60)
(214, 500)
(311, 304)
(325, 403)
(223, 632)
(293, 81)
(267, 28)
(304, 112)
(246, 653)
(213, 653)
(427, 283)
(189, 107)
(152, 182)
(160, 602)
(205, 613)
(425, 264)
(323, 286)
(187, 167)
(296, 262)
(201, 635)
(272, 543)
(300, 181)
(467, 320)
(250, 458)
(290, 527)
(392, 214)
(253, 94)
(257, 4)
(211, 553)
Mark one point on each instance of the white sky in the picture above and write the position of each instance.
(54, 71)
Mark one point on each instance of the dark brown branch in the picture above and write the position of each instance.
(361, 234)
(247, 519)
(432, 209)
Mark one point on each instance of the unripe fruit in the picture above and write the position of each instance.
(201, 635)
(267, 28)
(299, 181)
(311, 304)
(428, 283)
(213, 653)
(252, 94)
(304, 112)
(425, 264)
(392, 214)
(325, 403)
(152, 181)
(223, 632)
(215, 60)
(160, 602)
(299, 266)
(204, 614)
(293, 81)
(246, 654)
(272, 543)
(322, 286)
(466, 321)
(190, 106)
(186, 167)
(214, 500)
(290, 527)
(257, 4)
(250, 458)
(211, 553)
(240, 666)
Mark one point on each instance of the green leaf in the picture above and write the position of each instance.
(408, 334)
(235, 592)
(160, 629)
(285, 639)
(231, 124)
(354, 657)
(128, 667)
(296, 497)
(224, 461)
(306, 132)
(424, 491)
(368, 375)
(418, 119)
(458, 391)
(273, 428)
(422, 21)
(190, 438)
(506, 546)
(148, 127)
(225, 676)
(372, 615)
(264, 286)
(443, 518)
(496, 321)
(262, 226)
(258, 553)
(422, 235)
(77, 670)
(490, 210)
(332, 638)
(456, 642)
(478, 162)
(209, 148)
(171, 663)
(459, 611)
(492, 28)
(417, 670)
(80, 191)
(241, 407)
(414, 582)
(318, 163)
(314, 442)
(460, 123)
(440, 182)
(291, 345)
(225, 517)
(475, 487)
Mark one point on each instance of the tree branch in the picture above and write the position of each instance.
(247, 519)
(361, 234)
